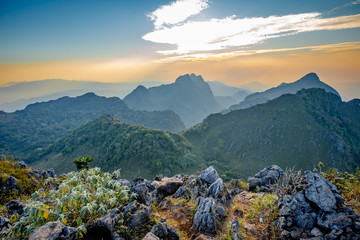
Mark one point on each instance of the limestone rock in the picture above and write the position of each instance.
(15, 207)
(204, 219)
(138, 214)
(54, 231)
(209, 175)
(216, 188)
(265, 178)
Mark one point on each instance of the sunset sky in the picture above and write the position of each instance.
(233, 41)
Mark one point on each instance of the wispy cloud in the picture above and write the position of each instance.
(177, 12)
(204, 37)
(339, 47)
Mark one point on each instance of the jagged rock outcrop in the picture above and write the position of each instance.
(182, 192)
(4, 224)
(235, 228)
(106, 226)
(216, 188)
(209, 175)
(205, 216)
(317, 211)
(265, 178)
(54, 231)
(163, 231)
(137, 213)
(15, 207)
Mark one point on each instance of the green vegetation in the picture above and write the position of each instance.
(141, 151)
(81, 197)
(83, 162)
(26, 182)
(30, 130)
(293, 130)
(264, 207)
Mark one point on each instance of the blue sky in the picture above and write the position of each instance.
(116, 40)
(81, 29)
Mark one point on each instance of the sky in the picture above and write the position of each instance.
(232, 41)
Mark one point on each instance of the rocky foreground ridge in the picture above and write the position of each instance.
(204, 207)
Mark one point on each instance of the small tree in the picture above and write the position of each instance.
(83, 162)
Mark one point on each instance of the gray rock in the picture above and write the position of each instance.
(15, 207)
(220, 211)
(195, 193)
(51, 173)
(21, 164)
(136, 214)
(54, 231)
(265, 178)
(305, 220)
(182, 192)
(164, 231)
(315, 232)
(235, 228)
(333, 235)
(209, 175)
(105, 227)
(169, 186)
(143, 189)
(334, 221)
(192, 183)
(216, 188)
(150, 236)
(11, 183)
(124, 182)
(204, 219)
(4, 223)
(319, 192)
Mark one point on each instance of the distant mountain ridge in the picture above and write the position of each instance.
(310, 80)
(189, 96)
(18, 95)
(293, 130)
(40, 124)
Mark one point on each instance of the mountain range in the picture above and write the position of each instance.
(38, 125)
(294, 130)
(311, 80)
(189, 96)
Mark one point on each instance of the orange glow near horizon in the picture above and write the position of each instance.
(333, 67)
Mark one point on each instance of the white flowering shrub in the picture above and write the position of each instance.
(81, 197)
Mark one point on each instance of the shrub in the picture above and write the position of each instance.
(290, 183)
(264, 207)
(83, 162)
(81, 197)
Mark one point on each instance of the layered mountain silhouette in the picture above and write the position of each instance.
(293, 130)
(227, 95)
(40, 124)
(311, 80)
(189, 96)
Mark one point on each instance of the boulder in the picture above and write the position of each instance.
(136, 214)
(182, 192)
(51, 173)
(143, 189)
(11, 183)
(15, 207)
(321, 192)
(209, 175)
(265, 178)
(316, 212)
(216, 188)
(220, 211)
(163, 231)
(168, 186)
(205, 216)
(235, 228)
(105, 227)
(54, 231)
(150, 236)
(21, 164)
(124, 182)
(4, 223)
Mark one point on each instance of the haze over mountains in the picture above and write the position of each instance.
(293, 130)
(189, 96)
(287, 125)
(18, 95)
